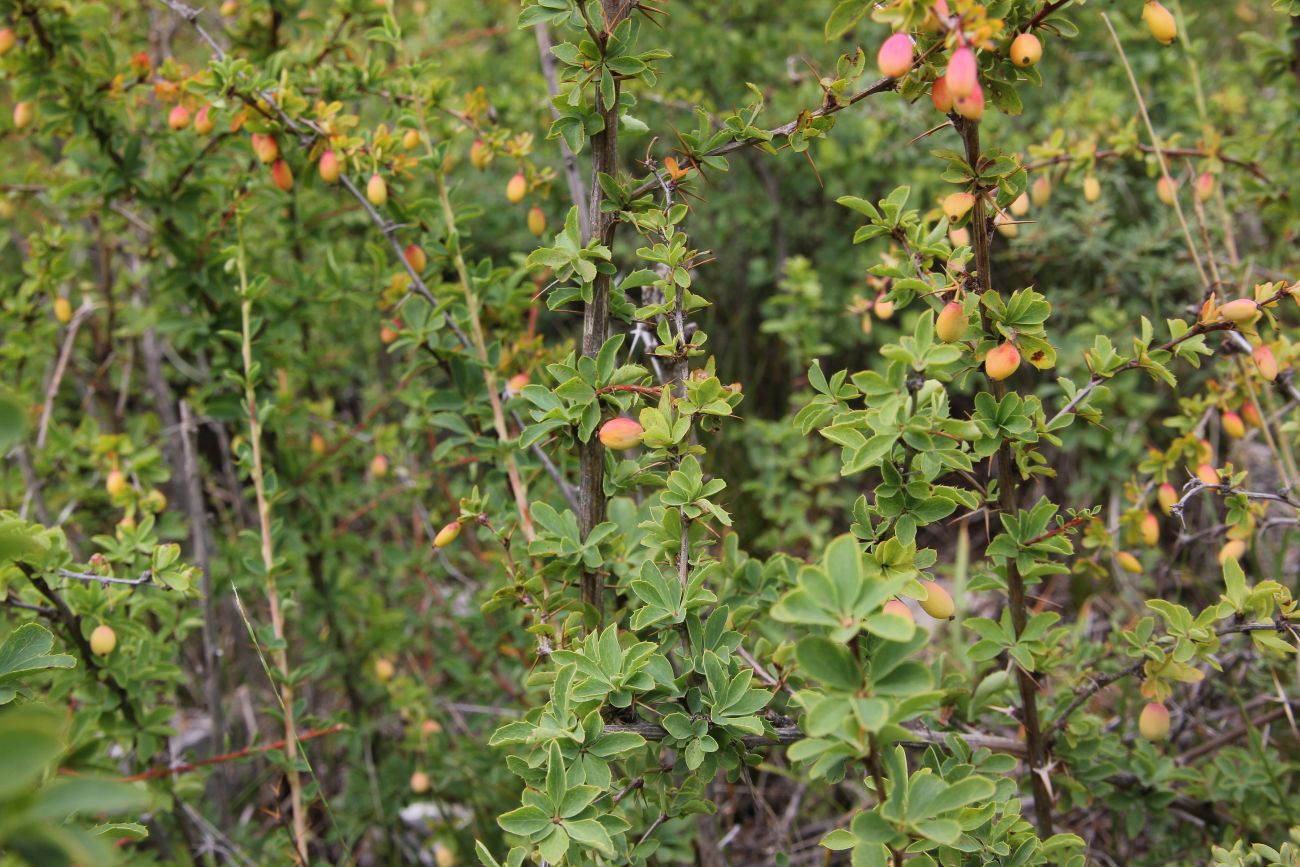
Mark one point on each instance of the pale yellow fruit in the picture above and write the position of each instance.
(102, 640)
(938, 602)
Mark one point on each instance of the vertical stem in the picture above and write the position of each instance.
(199, 541)
(280, 654)
(1007, 504)
(595, 317)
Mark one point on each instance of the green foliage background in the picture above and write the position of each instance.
(645, 729)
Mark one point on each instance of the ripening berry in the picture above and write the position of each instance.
(115, 483)
(959, 237)
(203, 124)
(63, 310)
(179, 118)
(1250, 415)
(1166, 496)
(1265, 362)
(379, 466)
(430, 727)
(411, 139)
(536, 221)
(1019, 205)
(962, 74)
(516, 188)
(938, 602)
(155, 501)
(898, 608)
(384, 670)
(1160, 21)
(951, 324)
(317, 444)
(447, 535)
(102, 640)
(517, 382)
(1002, 361)
(1153, 724)
(266, 148)
(1204, 186)
(329, 167)
(621, 434)
(8, 39)
(1167, 190)
(1240, 310)
(957, 205)
(228, 8)
(443, 856)
(479, 154)
(1091, 189)
(388, 333)
(1041, 191)
(282, 175)
(970, 106)
(1006, 228)
(1026, 50)
(1208, 475)
(1128, 562)
(940, 95)
(419, 782)
(376, 190)
(24, 114)
(416, 258)
(1232, 550)
(895, 56)
(883, 307)
(1233, 426)
(1149, 530)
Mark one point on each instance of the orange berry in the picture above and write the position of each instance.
(1026, 50)
(179, 118)
(621, 434)
(895, 56)
(1153, 723)
(1002, 361)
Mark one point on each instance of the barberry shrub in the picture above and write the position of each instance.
(629, 432)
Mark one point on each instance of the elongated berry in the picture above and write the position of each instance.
(282, 175)
(1240, 310)
(970, 106)
(1265, 362)
(536, 221)
(447, 535)
(517, 188)
(963, 73)
(1041, 191)
(957, 205)
(895, 56)
(1002, 361)
(1233, 426)
(1160, 21)
(24, 114)
(329, 167)
(416, 258)
(940, 95)
(1149, 530)
(1153, 722)
(1091, 189)
(265, 147)
(1166, 496)
(1204, 186)
(376, 190)
(203, 123)
(938, 602)
(1128, 562)
(952, 323)
(1167, 190)
(621, 434)
(179, 118)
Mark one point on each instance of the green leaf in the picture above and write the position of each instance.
(829, 662)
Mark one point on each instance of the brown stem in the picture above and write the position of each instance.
(1007, 503)
(595, 320)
